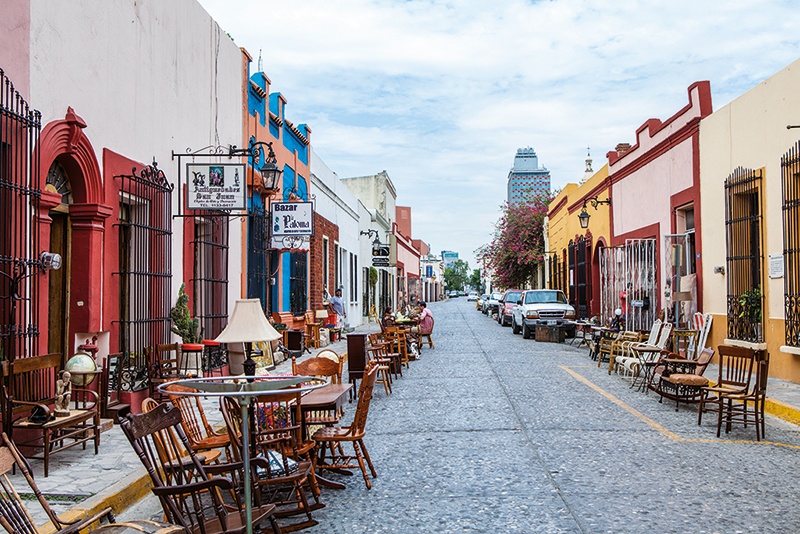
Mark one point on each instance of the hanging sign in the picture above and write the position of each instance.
(296, 243)
(216, 186)
(292, 219)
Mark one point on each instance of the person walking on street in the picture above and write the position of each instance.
(337, 305)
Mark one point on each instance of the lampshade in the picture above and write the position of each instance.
(247, 323)
(682, 296)
(322, 314)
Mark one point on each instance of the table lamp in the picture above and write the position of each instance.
(322, 315)
(248, 325)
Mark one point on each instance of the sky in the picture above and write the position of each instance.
(442, 93)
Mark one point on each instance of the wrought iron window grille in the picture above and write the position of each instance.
(790, 178)
(744, 255)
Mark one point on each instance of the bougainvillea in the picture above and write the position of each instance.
(517, 248)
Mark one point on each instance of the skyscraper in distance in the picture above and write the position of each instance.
(526, 179)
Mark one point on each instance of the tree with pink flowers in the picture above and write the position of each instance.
(517, 248)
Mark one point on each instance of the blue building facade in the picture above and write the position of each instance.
(526, 179)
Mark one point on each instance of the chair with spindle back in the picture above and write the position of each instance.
(202, 436)
(321, 367)
(31, 387)
(14, 516)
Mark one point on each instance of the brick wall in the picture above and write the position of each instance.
(322, 227)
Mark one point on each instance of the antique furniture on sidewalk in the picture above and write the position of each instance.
(681, 379)
(735, 371)
(330, 439)
(31, 405)
(14, 517)
(190, 497)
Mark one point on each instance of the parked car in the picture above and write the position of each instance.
(542, 306)
(491, 304)
(453, 294)
(472, 297)
(481, 302)
(508, 302)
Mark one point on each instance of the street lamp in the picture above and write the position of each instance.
(270, 172)
(584, 216)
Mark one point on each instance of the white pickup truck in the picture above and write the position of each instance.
(542, 306)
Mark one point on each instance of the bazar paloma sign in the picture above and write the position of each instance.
(292, 218)
(216, 186)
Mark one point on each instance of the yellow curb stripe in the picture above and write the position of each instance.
(661, 429)
(120, 496)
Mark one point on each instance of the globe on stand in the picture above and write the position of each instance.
(78, 366)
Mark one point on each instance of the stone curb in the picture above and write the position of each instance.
(120, 496)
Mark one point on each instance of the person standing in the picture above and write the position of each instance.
(337, 305)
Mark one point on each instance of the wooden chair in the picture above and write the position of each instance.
(169, 447)
(395, 365)
(31, 385)
(321, 367)
(425, 337)
(202, 436)
(735, 371)
(397, 336)
(379, 357)
(682, 379)
(739, 405)
(312, 330)
(164, 366)
(111, 405)
(193, 499)
(330, 439)
(274, 429)
(14, 516)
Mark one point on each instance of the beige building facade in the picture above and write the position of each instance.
(749, 202)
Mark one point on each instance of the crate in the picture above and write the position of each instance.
(549, 334)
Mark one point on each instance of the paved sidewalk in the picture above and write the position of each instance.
(493, 433)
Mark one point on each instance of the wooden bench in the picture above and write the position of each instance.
(31, 385)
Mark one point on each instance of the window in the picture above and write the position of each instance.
(145, 263)
(744, 257)
(211, 272)
(790, 170)
(297, 283)
(337, 280)
(353, 278)
(258, 255)
(326, 265)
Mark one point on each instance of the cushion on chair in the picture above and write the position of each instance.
(687, 379)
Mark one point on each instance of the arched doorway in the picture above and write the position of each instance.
(73, 198)
(61, 243)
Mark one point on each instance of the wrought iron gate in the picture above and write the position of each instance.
(580, 277)
(297, 282)
(145, 269)
(19, 224)
(258, 255)
(632, 268)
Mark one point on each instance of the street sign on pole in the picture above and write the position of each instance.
(380, 262)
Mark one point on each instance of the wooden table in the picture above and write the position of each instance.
(330, 397)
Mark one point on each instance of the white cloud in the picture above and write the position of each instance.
(441, 93)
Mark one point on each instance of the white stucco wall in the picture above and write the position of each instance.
(335, 202)
(149, 78)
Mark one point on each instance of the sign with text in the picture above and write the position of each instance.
(216, 186)
(291, 242)
(292, 218)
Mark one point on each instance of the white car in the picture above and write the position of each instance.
(473, 296)
(542, 306)
(492, 304)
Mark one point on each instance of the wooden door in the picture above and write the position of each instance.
(58, 290)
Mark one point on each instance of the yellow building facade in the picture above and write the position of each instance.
(572, 262)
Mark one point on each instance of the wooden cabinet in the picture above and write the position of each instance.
(356, 355)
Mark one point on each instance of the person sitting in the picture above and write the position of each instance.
(388, 318)
(425, 320)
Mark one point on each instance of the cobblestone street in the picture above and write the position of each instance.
(493, 433)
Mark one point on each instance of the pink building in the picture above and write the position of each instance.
(655, 217)
(409, 287)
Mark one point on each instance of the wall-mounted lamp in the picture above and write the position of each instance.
(270, 172)
(719, 269)
(584, 216)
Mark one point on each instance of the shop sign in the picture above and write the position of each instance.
(292, 219)
(300, 243)
(216, 186)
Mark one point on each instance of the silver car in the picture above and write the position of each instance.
(542, 306)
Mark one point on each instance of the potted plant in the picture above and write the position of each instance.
(750, 304)
(183, 325)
